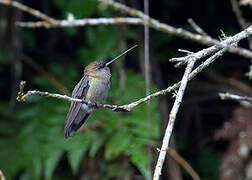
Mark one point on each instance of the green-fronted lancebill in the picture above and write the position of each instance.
(92, 88)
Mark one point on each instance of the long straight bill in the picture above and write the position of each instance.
(108, 63)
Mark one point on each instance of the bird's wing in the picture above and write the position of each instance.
(79, 92)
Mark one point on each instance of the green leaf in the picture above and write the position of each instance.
(77, 147)
(140, 159)
(101, 41)
(41, 81)
(52, 158)
(37, 167)
(117, 143)
(12, 160)
(96, 144)
(79, 8)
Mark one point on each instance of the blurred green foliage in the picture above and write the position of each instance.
(39, 143)
(111, 145)
(33, 143)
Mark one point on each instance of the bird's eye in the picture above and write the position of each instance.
(99, 67)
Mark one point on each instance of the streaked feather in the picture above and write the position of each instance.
(74, 117)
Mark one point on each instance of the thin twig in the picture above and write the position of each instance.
(2, 177)
(180, 160)
(147, 80)
(196, 27)
(207, 63)
(172, 117)
(29, 10)
(171, 123)
(82, 22)
(243, 23)
(238, 14)
(185, 51)
(235, 97)
(226, 43)
(172, 30)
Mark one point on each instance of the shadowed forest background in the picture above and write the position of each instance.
(211, 134)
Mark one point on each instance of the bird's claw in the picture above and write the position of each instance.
(93, 104)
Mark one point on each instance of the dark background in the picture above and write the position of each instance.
(113, 145)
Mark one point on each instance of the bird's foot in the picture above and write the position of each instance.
(95, 105)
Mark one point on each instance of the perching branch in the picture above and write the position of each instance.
(234, 97)
(22, 97)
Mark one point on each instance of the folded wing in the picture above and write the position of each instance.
(77, 113)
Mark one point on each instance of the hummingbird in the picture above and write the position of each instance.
(92, 88)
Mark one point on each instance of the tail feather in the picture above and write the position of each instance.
(74, 126)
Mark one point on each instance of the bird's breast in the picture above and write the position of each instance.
(98, 90)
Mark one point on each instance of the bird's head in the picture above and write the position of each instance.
(100, 69)
(97, 69)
